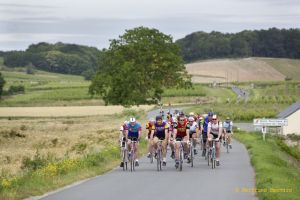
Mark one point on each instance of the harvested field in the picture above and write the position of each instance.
(64, 111)
(242, 70)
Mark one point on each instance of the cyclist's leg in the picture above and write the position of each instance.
(177, 144)
(129, 144)
(154, 143)
(194, 136)
(217, 149)
(164, 149)
(186, 146)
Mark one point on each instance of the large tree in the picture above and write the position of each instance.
(2, 82)
(138, 66)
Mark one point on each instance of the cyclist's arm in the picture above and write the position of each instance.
(152, 133)
(197, 132)
(208, 132)
(188, 134)
(126, 134)
(220, 130)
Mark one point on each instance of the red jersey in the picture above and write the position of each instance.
(181, 129)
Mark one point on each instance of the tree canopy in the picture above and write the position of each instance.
(59, 57)
(138, 66)
(259, 43)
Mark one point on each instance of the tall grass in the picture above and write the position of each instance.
(272, 167)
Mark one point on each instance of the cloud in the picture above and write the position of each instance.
(12, 5)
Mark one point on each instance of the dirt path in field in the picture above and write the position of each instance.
(63, 111)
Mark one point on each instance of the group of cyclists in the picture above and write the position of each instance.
(177, 129)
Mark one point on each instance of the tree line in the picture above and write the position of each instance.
(59, 57)
(258, 43)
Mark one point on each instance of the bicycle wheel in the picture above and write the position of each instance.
(208, 156)
(213, 163)
(124, 159)
(192, 155)
(131, 161)
(158, 160)
(227, 146)
(181, 156)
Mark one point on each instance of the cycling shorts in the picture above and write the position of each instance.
(133, 138)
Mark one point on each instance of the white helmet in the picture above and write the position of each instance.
(151, 120)
(132, 120)
(174, 119)
(125, 122)
(192, 114)
(191, 119)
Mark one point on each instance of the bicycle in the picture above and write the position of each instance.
(212, 154)
(226, 143)
(181, 154)
(159, 155)
(124, 154)
(191, 153)
(131, 155)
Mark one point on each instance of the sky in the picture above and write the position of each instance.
(95, 22)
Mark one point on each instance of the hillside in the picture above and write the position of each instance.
(245, 69)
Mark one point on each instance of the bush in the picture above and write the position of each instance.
(16, 89)
(35, 163)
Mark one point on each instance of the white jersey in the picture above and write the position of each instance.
(214, 128)
(228, 125)
(193, 127)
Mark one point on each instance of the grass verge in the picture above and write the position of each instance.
(55, 174)
(279, 178)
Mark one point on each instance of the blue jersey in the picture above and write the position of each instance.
(133, 131)
(205, 124)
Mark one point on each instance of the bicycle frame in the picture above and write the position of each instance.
(132, 155)
(159, 155)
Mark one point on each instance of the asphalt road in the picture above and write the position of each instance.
(199, 182)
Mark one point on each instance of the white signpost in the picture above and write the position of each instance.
(269, 122)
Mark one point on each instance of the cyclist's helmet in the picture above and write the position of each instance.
(158, 117)
(214, 117)
(125, 122)
(191, 119)
(192, 114)
(132, 120)
(151, 120)
(181, 113)
(174, 119)
(210, 114)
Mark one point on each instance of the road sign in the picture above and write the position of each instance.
(270, 122)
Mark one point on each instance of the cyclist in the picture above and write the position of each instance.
(214, 131)
(171, 136)
(194, 132)
(181, 133)
(207, 119)
(149, 126)
(133, 133)
(160, 132)
(122, 137)
(227, 125)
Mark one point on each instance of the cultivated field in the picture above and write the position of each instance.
(56, 138)
(243, 70)
(70, 111)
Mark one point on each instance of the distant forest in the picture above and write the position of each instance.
(84, 60)
(273, 42)
(59, 57)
